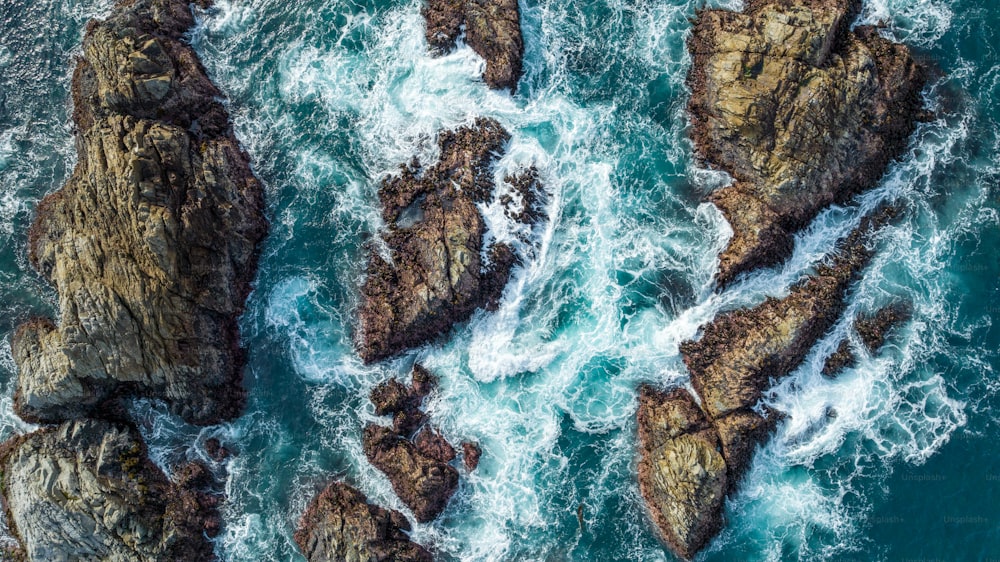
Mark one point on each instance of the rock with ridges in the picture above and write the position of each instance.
(87, 490)
(492, 29)
(800, 110)
(436, 277)
(873, 331)
(341, 526)
(152, 243)
(682, 473)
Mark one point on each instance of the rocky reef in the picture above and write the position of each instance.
(414, 456)
(801, 110)
(492, 29)
(692, 453)
(151, 246)
(436, 275)
(85, 490)
(152, 242)
(340, 525)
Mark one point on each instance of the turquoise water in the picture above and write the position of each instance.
(330, 96)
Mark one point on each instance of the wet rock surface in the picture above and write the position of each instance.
(152, 242)
(436, 275)
(417, 466)
(341, 526)
(873, 331)
(85, 490)
(800, 110)
(692, 454)
(492, 29)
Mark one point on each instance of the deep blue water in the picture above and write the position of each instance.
(329, 96)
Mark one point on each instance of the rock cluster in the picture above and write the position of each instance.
(414, 456)
(151, 246)
(85, 490)
(800, 110)
(693, 453)
(152, 243)
(436, 275)
(492, 29)
(873, 331)
(341, 526)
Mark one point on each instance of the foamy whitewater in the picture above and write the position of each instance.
(893, 459)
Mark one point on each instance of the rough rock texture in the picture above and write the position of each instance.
(682, 473)
(85, 490)
(470, 455)
(424, 483)
(417, 468)
(692, 455)
(152, 243)
(492, 29)
(873, 331)
(800, 110)
(341, 526)
(742, 351)
(436, 276)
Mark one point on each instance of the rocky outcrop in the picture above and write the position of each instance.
(693, 453)
(341, 526)
(492, 29)
(873, 330)
(417, 466)
(800, 110)
(85, 490)
(152, 243)
(471, 453)
(436, 274)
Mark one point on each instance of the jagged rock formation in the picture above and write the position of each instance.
(800, 110)
(85, 490)
(693, 454)
(152, 243)
(417, 466)
(873, 331)
(341, 526)
(436, 276)
(492, 29)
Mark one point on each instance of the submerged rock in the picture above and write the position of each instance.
(800, 110)
(86, 490)
(692, 455)
(152, 242)
(340, 525)
(436, 275)
(492, 29)
(471, 452)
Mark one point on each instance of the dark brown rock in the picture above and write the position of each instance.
(873, 331)
(390, 397)
(423, 483)
(152, 243)
(492, 29)
(800, 110)
(842, 358)
(340, 525)
(86, 489)
(435, 234)
(470, 455)
(431, 443)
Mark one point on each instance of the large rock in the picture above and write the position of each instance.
(436, 275)
(800, 110)
(85, 490)
(492, 29)
(152, 242)
(691, 454)
(682, 473)
(422, 481)
(341, 526)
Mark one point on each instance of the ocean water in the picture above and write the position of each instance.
(328, 97)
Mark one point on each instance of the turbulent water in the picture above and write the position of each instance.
(328, 97)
